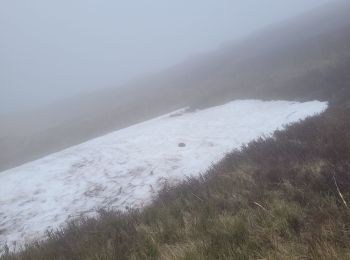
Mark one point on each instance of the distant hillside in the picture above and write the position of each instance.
(305, 58)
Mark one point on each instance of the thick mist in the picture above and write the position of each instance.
(50, 50)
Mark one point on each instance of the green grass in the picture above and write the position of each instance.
(277, 198)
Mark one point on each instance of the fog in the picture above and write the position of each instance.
(50, 50)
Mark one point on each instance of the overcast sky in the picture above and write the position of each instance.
(51, 49)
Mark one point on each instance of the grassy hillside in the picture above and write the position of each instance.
(290, 61)
(284, 197)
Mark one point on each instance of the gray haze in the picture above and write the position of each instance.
(50, 50)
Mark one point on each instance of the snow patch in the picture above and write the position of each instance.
(128, 167)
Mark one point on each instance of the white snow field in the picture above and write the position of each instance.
(128, 167)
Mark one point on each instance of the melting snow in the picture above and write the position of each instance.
(126, 168)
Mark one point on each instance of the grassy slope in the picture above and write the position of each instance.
(279, 198)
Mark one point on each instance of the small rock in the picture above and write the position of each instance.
(182, 144)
